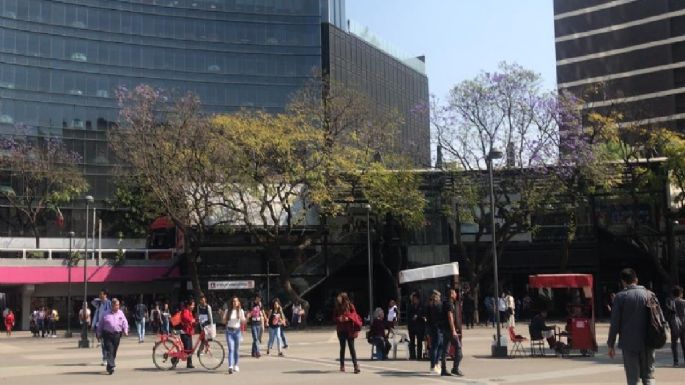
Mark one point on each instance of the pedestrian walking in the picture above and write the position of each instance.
(188, 323)
(140, 316)
(490, 307)
(109, 330)
(469, 308)
(276, 321)
(348, 323)
(629, 322)
(298, 314)
(676, 320)
(102, 306)
(416, 326)
(166, 319)
(156, 319)
(35, 330)
(256, 318)
(233, 317)
(451, 334)
(9, 322)
(42, 321)
(52, 317)
(393, 313)
(510, 311)
(436, 328)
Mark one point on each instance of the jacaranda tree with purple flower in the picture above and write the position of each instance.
(509, 112)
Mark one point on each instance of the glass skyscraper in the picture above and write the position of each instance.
(60, 61)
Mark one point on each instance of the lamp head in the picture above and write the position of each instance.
(495, 154)
(71, 234)
(367, 206)
(90, 199)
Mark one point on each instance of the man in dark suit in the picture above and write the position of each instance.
(629, 321)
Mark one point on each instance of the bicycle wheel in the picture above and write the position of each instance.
(211, 354)
(160, 355)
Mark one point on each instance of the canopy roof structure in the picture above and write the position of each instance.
(559, 281)
(429, 272)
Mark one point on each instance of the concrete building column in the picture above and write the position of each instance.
(26, 295)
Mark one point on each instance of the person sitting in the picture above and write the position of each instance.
(378, 333)
(539, 330)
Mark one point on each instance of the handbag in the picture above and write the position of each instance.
(210, 331)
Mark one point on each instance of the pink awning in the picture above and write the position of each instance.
(60, 274)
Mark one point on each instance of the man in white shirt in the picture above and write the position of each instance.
(393, 313)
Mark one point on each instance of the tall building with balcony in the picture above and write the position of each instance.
(630, 52)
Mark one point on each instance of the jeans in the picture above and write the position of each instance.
(110, 343)
(677, 334)
(274, 335)
(342, 338)
(140, 328)
(285, 342)
(165, 326)
(233, 343)
(450, 340)
(437, 346)
(187, 340)
(41, 327)
(381, 347)
(639, 366)
(416, 344)
(257, 331)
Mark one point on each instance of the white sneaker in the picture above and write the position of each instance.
(236, 369)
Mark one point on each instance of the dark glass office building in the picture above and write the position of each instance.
(393, 80)
(61, 62)
(631, 51)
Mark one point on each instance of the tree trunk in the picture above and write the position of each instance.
(34, 228)
(274, 253)
(475, 292)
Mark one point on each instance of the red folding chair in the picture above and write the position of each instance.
(516, 343)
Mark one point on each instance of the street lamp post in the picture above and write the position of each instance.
(497, 350)
(68, 334)
(83, 342)
(370, 260)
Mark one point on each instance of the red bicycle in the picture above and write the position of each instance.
(168, 351)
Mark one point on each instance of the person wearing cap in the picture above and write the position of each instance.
(109, 329)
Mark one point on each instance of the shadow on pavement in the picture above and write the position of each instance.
(310, 372)
(75, 364)
(90, 373)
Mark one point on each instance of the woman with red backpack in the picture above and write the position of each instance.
(348, 324)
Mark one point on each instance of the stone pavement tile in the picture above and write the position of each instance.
(311, 358)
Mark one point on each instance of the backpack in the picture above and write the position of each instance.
(175, 319)
(655, 338)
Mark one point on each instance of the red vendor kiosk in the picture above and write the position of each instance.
(580, 331)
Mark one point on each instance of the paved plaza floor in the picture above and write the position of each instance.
(310, 359)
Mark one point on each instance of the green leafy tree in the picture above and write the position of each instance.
(44, 175)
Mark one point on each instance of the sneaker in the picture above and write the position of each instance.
(236, 369)
(457, 372)
(445, 373)
(280, 354)
(230, 370)
(285, 346)
(436, 370)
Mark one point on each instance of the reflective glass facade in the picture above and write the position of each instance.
(60, 61)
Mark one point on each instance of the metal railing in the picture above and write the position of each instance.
(58, 253)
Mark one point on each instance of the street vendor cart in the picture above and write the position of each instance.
(580, 330)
